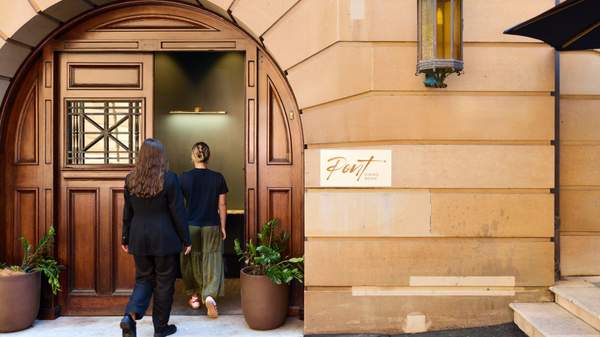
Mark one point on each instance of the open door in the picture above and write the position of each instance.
(105, 113)
(28, 169)
(280, 161)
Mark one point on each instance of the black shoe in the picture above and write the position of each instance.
(166, 331)
(128, 326)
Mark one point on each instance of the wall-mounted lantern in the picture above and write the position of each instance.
(439, 40)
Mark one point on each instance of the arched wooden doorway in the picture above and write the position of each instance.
(105, 60)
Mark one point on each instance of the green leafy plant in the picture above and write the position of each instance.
(38, 258)
(267, 257)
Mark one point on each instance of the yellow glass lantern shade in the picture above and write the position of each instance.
(439, 40)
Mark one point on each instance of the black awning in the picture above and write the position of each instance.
(571, 25)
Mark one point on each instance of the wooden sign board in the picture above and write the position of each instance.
(355, 168)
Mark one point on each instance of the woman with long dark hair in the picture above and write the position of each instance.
(155, 232)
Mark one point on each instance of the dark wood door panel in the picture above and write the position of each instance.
(27, 180)
(279, 206)
(82, 226)
(278, 131)
(123, 265)
(98, 271)
(251, 167)
(26, 210)
(280, 177)
(101, 305)
(280, 166)
(26, 146)
(27, 165)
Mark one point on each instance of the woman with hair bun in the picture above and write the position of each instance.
(205, 192)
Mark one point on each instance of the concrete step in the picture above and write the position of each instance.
(582, 300)
(550, 320)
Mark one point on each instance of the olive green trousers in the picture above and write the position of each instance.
(202, 269)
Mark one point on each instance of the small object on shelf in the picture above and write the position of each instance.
(180, 112)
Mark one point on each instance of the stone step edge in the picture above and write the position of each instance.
(576, 308)
(531, 330)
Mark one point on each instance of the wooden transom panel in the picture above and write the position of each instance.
(105, 75)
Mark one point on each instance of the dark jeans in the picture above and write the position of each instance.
(154, 275)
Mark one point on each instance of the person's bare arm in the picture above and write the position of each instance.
(223, 213)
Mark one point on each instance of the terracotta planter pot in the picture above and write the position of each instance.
(20, 298)
(264, 303)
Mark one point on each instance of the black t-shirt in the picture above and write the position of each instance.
(201, 189)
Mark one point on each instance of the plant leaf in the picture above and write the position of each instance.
(296, 259)
(40, 259)
(267, 256)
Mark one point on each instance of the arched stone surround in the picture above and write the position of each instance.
(266, 72)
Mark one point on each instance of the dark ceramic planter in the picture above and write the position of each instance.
(20, 298)
(264, 303)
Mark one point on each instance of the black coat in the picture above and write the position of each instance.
(156, 226)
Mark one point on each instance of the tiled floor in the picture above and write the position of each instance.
(197, 326)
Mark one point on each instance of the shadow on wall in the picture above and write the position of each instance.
(213, 81)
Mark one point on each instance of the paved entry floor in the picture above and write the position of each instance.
(187, 326)
(230, 304)
(189, 322)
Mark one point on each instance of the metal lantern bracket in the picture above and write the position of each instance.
(428, 62)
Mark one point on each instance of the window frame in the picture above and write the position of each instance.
(67, 164)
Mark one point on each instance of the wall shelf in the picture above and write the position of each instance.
(183, 112)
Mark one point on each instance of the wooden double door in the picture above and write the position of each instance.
(79, 113)
(112, 95)
(74, 140)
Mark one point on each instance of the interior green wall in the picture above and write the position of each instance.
(214, 81)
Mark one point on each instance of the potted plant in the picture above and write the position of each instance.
(265, 279)
(20, 285)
